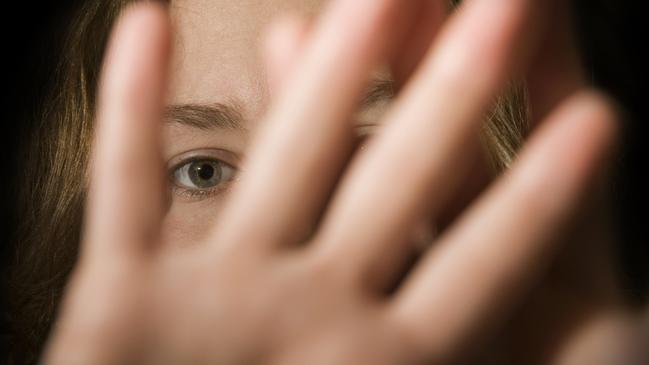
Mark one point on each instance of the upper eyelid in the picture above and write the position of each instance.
(222, 155)
(366, 125)
(174, 167)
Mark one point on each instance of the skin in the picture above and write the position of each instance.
(223, 65)
(291, 264)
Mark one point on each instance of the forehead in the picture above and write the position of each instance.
(217, 54)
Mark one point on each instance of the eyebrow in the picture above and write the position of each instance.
(206, 116)
(229, 115)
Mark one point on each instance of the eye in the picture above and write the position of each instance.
(364, 133)
(201, 175)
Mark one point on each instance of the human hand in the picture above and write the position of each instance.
(281, 281)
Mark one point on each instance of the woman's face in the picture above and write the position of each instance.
(218, 97)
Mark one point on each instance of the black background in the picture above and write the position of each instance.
(610, 32)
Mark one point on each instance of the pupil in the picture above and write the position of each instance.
(205, 171)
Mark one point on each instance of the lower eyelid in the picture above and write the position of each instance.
(200, 194)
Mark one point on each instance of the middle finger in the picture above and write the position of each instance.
(308, 127)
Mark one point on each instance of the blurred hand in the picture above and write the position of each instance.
(306, 269)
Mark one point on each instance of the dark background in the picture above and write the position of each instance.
(611, 36)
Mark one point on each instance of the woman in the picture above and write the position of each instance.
(299, 265)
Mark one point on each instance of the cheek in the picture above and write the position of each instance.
(191, 223)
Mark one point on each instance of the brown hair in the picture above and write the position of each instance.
(52, 191)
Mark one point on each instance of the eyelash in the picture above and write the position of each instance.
(198, 193)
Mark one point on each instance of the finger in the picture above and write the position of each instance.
(421, 35)
(284, 46)
(309, 127)
(465, 286)
(557, 70)
(423, 153)
(608, 336)
(125, 201)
